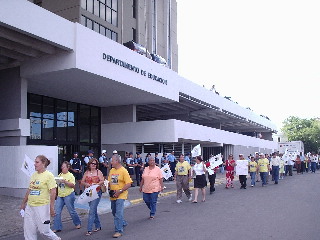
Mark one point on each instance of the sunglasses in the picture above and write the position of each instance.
(94, 164)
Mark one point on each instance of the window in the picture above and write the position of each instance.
(99, 28)
(134, 8)
(105, 9)
(58, 122)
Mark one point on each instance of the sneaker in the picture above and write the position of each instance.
(251, 185)
(190, 198)
(179, 201)
(116, 235)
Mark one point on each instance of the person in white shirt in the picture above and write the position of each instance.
(200, 181)
(275, 164)
(314, 161)
(290, 165)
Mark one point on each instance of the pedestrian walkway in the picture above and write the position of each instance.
(11, 223)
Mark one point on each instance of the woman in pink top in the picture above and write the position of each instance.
(151, 184)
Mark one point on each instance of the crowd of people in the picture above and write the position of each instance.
(44, 198)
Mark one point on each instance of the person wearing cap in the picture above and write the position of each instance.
(138, 168)
(76, 170)
(243, 178)
(88, 157)
(157, 159)
(263, 167)
(119, 183)
(172, 162)
(130, 166)
(103, 164)
(164, 159)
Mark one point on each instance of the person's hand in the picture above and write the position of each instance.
(140, 189)
(23, 206)
(52, 213)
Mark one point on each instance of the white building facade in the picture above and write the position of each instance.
(67, 88)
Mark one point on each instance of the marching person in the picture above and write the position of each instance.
(172, 162)
(282, 165)
(212, 175)
(182, 176)
(298, 164)
(93, 176)
(119, 183)
(200, 181)
(243, 178)
(151, 185)
(253, 170)
(229, 164)
(263, 167)
(66, 196)
(275, 166)
(38, 203)
(76, 170)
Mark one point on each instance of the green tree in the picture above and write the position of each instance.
(305, 130)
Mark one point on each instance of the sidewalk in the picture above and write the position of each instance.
(11, 222)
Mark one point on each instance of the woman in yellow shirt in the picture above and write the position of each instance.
(66, 196)
(38, 202)
(253, 170)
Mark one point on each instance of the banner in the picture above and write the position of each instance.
(27, 166)
(215, 161)
(196, 151)
(242, 167)
(89, 194)
(166, 172)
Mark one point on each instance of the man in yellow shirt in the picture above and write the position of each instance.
(263, 166)
(182, 175)
(119, 182)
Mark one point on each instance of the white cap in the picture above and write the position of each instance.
(103, 151)
(115, 152)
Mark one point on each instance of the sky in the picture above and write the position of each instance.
(263, 54)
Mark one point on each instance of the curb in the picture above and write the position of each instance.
(140, 200)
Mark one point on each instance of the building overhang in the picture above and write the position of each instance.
(170, 131)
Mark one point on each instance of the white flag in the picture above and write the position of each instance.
(196, 151)
(166, 172)
(89, 194)
(27, 166)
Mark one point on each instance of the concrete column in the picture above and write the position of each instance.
(15, 128)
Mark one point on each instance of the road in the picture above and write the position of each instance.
(289, 210)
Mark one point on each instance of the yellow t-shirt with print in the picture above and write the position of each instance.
(263, 165)
(117, 179)
(63, 189)
(253, 166)
(182, 168)
(40, 186)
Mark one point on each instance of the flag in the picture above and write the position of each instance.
(89, 194)
(196, 151)
(166, 172)
(27, 166)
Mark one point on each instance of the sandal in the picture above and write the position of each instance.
(194, 202)
(203, 200)
(55, 231)
(97, 229)
(151, 217)
(88, 233)
(78, 226)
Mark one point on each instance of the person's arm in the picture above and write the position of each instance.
(25, 200)
(101, 178)
(83, 181)
(69, 184)
(125, 187)
(53, 193)
(141, 185)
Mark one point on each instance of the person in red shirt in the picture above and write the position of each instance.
(229, 167)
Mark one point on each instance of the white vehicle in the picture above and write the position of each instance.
(291, 147)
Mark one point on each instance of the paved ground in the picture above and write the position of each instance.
(289, 210)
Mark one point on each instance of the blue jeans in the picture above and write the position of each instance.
(313, 166)
(69, 202)
(253, 178)
(263, 176)
(93, 213)
(117, 207)
(275, 173)
(151, 200)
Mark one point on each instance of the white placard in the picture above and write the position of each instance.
(242, 167)
(166, 172)
(89, 194)
(27, 166)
